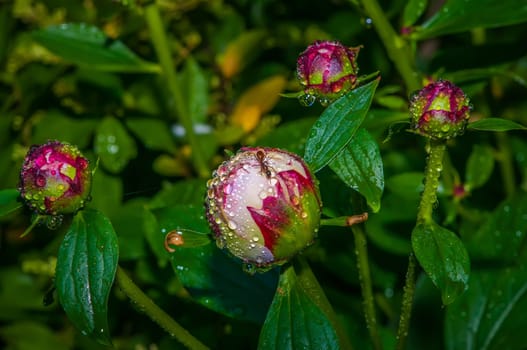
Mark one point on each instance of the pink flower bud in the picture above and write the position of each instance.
(440, 110)
(327, 70)
(55, 179)
(263, 206)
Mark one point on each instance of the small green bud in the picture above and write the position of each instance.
(55, 179)
(440, 110)
(327, 70)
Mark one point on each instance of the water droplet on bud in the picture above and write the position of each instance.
(307, 100)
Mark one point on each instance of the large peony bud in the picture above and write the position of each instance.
(55, 179)
(263, 206)
(440, 110)
(327, 70)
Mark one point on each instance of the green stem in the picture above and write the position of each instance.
(406, 306)
(398, 49)
(434, 165)
(33, 224)
(310, 285)
(345, 221)
(366, 285)
(161, 46)
(146, 305)
(436, 151)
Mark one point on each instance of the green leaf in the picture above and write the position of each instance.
(53, 125)
(495, 124)
(213, 278)
(502, 237)
(443, 257)
(491, 314)
(9, 201)
(359, 165)
(462, 15)
(128, 223)
(194, 86)
(412, 11)
(19, 295)
(87, 45)
(290, 136)
(114, 145)
(479, 166)
(86, 265)
(154, 133)
(337, 125)
(294, 320)
(179, 193)
(106, 193)
(406, 185)
(29, 335)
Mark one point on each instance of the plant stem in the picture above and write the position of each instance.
(397, 47)
(434, 165)
(161, 46)
(406, 306)
(345, 221)
(160, 317)
(366, 285)
(310, 285)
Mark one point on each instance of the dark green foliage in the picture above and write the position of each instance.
(100, 75)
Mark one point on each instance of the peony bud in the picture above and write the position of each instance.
(55, 179)
(440, 110)
(263, 206)
(327, 70)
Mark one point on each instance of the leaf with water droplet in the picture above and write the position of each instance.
(412, 11)
(359, 165)
(114, 145)
(86, 265)
(295, 321)
(443, 257)
(213, 278)
(463, 15)
(337, 125)
(507, 219)
(491, 314)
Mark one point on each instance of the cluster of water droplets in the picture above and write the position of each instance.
(237, 184)
(307, 100)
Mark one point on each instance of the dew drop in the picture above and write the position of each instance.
(324, 101)
(367, 22)
(249, 268)
(307, 100)
(220, 242)
(40, 181)
(303, 215)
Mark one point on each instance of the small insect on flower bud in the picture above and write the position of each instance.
(440, 110)
(55, 179)
(263, 206)
(326, 70)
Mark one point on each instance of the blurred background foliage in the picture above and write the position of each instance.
(87, 73)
